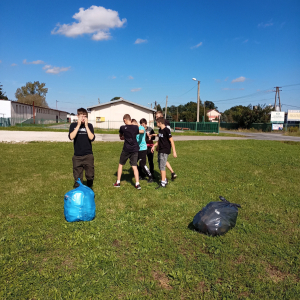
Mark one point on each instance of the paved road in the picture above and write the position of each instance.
(42, 136)
(265, 136)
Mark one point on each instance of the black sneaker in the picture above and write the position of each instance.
(76, 185)
(173, 176)
(89, 183)
(117, 184)
(150, 180)
(137, 186)
(160, 186)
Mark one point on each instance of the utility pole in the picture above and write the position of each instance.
(98, 100)
(277, 92)
(198, 101)
(177, 115)
(56, 104)
(166, 107)
(204, 112)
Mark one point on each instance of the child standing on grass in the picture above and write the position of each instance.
(165, 142)
(149, 142)
(142, 155)
(159, 114)
(128, 133)
(83, 135)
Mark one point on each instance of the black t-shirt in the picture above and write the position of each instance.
(151, 131)
(82, 143)
(130, 132)
(164, 144)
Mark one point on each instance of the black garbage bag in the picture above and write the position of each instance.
(216, 218)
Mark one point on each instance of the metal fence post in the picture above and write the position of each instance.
(196, 127)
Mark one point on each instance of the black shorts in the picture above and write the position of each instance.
(133, 156)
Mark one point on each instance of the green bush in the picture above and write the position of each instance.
(293, 129)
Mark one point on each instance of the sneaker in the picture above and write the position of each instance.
(160, 186)
(167, 182)
(138, 187)
(150, 180)
(76, 185)
(89, 183)
(173, 176)
(117, 184)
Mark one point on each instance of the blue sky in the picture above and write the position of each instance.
(145, 50)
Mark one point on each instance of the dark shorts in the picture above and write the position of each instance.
(133, 156)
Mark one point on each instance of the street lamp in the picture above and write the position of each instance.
(198, 98)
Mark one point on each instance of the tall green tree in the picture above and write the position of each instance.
(2, 94)
(35, 91)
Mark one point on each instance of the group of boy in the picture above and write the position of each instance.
(138, 146)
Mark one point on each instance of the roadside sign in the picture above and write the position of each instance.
(277, 116)
(293, 115)
(277, 126)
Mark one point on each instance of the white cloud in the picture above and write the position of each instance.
(13, 65)
(230, 89)
(196, 46)
(265, 25)
(245, 41)
(0, 61)
(36, 62)
(136, 90)
(140, 41)
(226, 79)
(55, 70)
(96, 20)
(130, 77)
(239, 79)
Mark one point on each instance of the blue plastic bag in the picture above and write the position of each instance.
(80, 204)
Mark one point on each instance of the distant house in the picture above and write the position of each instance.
(110, 114)
(212, 115)
(19, 112)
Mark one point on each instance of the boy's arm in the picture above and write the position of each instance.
(141, 131)
(89, 132)
(173, 146)
(73, 134)
(153, 147)
(152, 133)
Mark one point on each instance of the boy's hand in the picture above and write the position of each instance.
(174, 154)
(152, 149)
(86, 124)
(79, 120)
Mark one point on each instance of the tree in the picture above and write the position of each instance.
(2, 94)
(35, 91)
(210, 105)
(115, 98)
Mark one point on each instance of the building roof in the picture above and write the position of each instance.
(34, 106)
(212, 110)
(122, 100)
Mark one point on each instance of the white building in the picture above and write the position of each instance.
(212, 115)
(23, 113)
(109, 115)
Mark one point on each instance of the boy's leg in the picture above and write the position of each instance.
(150, 160)
(143, 167)
(162, 160)
(89, 169)
(133, 163)
(173, 176)
(119, 174)
(123, 158)
(139, 167)
(77, 169)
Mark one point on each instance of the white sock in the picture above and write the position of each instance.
(118, 181)
(137, 183)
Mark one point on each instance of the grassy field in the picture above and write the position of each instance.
(141, 244)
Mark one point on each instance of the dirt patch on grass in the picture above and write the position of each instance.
(162, 279)
(116, 243)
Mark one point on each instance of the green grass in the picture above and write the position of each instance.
(141, 244)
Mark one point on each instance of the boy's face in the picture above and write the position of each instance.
(144, 125)
(159, 124)
(82, 118)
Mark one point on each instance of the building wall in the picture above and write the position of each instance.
(5, 109)
(114, 112)
(21, 113)
(212, 115)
